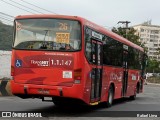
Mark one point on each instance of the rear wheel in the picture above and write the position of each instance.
(58, 102)
(110, 97)
(138, 88)
(133, 97)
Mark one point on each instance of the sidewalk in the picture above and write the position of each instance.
(153, 84)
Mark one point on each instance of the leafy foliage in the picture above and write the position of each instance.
(153, 65)
(158, 51)
(128, 34)
(6, 36)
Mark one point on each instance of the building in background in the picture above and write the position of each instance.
(150, 37)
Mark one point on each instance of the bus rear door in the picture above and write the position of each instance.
(96, 74)
(125, 69)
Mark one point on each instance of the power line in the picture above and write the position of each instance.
(25, 6)
(6, 22)
(6, 19)
(38, 7)
(6, 14)
(16, 6)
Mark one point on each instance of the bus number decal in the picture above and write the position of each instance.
(52, 61)
(63, 38)
(63, 26)
(61, 62)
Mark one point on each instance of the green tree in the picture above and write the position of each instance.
(129, 33)
(158, 51)
(6, 36)
(153, 66)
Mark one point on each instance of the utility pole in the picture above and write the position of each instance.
(124, 22)
(126, 27)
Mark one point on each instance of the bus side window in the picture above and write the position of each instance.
(112, 52)
(88, 51)
(94, 52)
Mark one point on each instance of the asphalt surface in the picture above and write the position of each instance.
(146, 103)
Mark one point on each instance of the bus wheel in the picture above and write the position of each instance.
(110, 97)
(133, 97)
(58, 102)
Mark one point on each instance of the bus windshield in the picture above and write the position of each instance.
(47, 34)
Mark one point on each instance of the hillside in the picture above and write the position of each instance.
(6, 35)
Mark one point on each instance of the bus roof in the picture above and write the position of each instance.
(88, 23)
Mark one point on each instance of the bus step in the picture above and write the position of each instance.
(47, 99)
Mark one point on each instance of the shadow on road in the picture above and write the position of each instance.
(76, 111)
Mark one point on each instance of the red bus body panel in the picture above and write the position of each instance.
(37, 67)
(39, 76)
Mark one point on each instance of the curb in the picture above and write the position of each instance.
(152, 84)
(5, 89)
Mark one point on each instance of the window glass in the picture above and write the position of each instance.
(48, 34)
(135, 59)
(112, 51)
(88, 45)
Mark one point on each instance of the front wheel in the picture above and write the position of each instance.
(110, 97)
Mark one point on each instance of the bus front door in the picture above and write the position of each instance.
(125, 73)
(96, 74)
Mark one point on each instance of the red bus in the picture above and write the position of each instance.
(69, 58)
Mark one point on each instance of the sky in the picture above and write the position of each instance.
(102, 12)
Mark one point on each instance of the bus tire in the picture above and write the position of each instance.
(133, 97)
(58, 102)
(110, 96)
(138, 88)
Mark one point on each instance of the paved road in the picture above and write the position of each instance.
(145, 102)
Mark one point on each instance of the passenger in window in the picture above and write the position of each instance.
(43, 46)
(68, 47)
